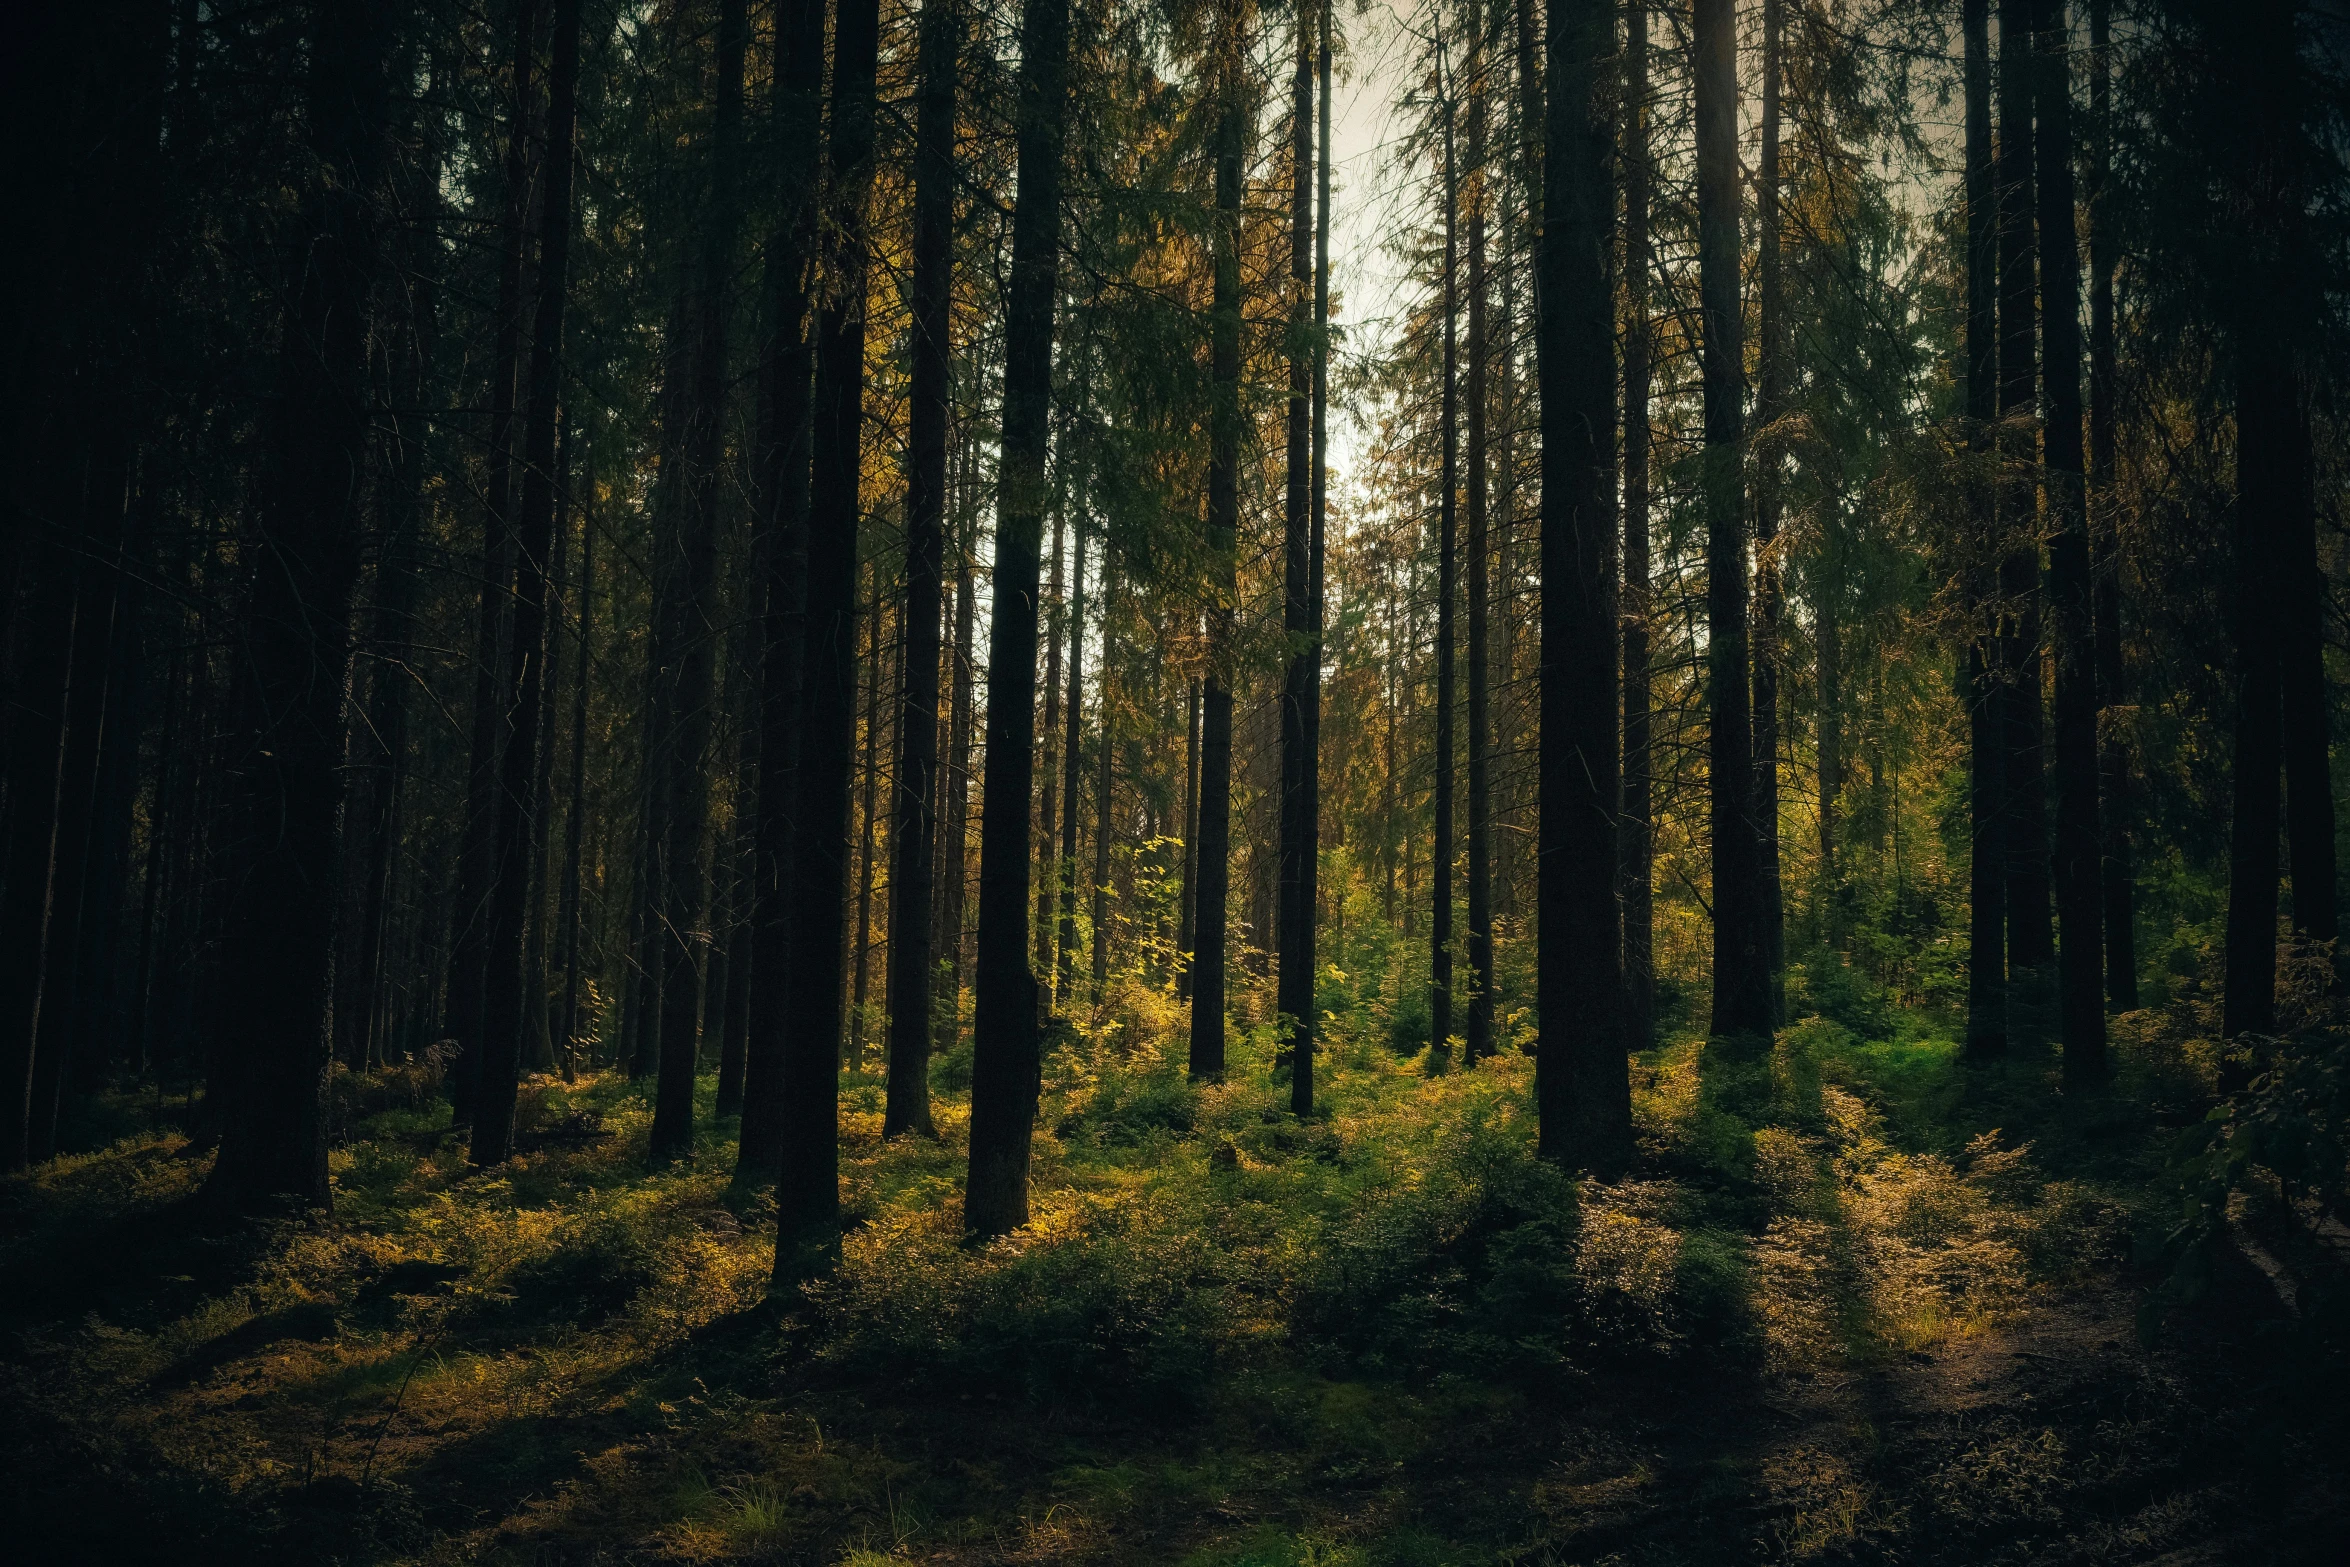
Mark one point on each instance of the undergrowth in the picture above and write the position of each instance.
(1216, 1305)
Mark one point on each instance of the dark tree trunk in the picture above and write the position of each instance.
(1048, 847)
(394, 631)
(2119, 871)
(1098, 916)
(1742, 1002)
(575, 819)
(293, 656)
(1215, 753)
(2080, 893)
(1072, 716)
(2306, 705)
(954, 817)
(1184, 919)
(2030, 943)
(507, 970)
(477, 854)
(1986, 1026)
(742, 849)
(2276, 297)
(1005, 1064)
(93, 702)
(869, 770)
(1582, 1088)
(808, 1191)
(783, 476)
(1294, 918)
(693, 499)
(1770, 900)
(1828, 694)
(914, 828)
(1442, 847)
(1637, 839)
(1301, 1081)
(1479, 1038)
(2267, 456)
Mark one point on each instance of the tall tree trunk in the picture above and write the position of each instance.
(1479, 1042)
(1185, 915)
(2029, 941)
(1741, 1003)
(477, 854)
(1301, 1081)
(1443, 848)
(2080, 893)
(693, 652)
(2278, 625)
(1582, 1088)
(1005, 1044)
(92, 703)
(913, 834)
(1072, 716)
(2120, 873)
(782, 472)
(954, 815)
(1098, 916)
(525, 684)
(1294, 920)
(1828, 680)
(1048, 850)
(1981, 674)
(1637, 839)
(2267, 418)
(869, 769)
(568, 917)
(293, 667)
(1639, 832)
(808, 1192)
(1215, 791)
(1770, 905)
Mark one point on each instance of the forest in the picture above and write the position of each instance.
(1242, 783)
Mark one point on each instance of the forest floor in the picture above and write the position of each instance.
(1859, 1303)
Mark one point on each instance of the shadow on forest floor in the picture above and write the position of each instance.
(1859, 1303)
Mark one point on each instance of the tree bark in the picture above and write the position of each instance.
(1072, 763)
(2080, 893)
(477, 850)
(1215, 792)
(955, 811)
(525, 684)
(1980, 675)
(869, 769)
(1478, 1041)
(1741, 1002)
(2030, 943)
(914, 827)
(1770, 905)
(1048, 847)
(783, 477)
(569, 917)
(808, 1192)
(1637, 839)
(1582, 1087)
(1005, 1045)
(1301, 1080)
(293, 654)
(2119, 871)
(1443, 848)
(1294, 940)
(690, 639)
(1098, 916)
(1185, 915)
